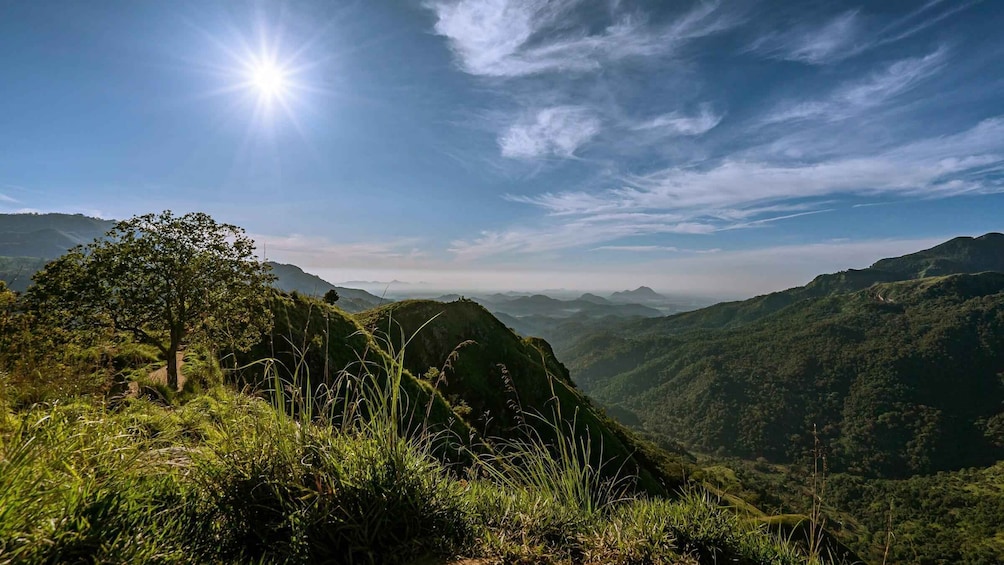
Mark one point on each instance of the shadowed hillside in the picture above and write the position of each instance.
(291, 278)
(902, 378)
(503, 380)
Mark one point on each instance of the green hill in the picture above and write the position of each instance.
(901, 378)
(291, 278)
(503, 380)
(320, 348)
(899, 368)
(212, 475)
(47, 235)
(959, 255)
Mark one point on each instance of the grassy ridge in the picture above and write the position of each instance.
(499, 378)
(304, 473)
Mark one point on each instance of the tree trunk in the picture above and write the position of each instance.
(172, 367)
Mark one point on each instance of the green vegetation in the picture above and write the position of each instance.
(228, 478)
(290, 278)
(947, 517)
(29, 241)
(163, 279)
(319, 445)
(508, 386)
(902, 378)
(898, 366)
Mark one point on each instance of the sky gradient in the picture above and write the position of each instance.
(724, 148)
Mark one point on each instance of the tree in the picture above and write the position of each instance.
(7, 301)
(331, 296)
(164, 279)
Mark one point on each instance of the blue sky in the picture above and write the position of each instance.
(724, 148)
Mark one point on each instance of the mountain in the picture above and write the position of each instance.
(642, 293)
(464, 371)
(901, 378)
(16, 272)
(959, 255)
(750, 378)
(292, 278)
(896, 370)
(47, 236)
(29, 241)
(503, 380)
(589, 297)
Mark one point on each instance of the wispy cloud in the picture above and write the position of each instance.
(653, 249)
(314, 251)
(510, 38)
(676, 123)
(555, 131)
(832, 41)
(742, 195)
(850, 33)
(927, 167)
(575, 232)
(637, 248)
(855, 97)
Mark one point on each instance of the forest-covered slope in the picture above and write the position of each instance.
(958, 255)
(897, 368)
(900, 378)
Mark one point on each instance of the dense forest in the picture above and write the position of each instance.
(895, 372)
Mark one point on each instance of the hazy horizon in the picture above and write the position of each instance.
(703, 148)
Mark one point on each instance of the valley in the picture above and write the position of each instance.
(892, 373)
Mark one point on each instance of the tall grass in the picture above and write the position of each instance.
(332, 471)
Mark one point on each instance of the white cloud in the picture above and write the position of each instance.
(739, 194)
(851, 99)
(508, 38)
(638, 248)
(557, 131)
(929, 167)
(576, 232)
(654, 248)
(833, 41)
(675, 123)
(850, 33)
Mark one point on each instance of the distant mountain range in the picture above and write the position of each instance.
(292, 278)
(640, 294)
(47, 236)
(29, 241)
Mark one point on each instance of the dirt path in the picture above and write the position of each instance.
(160, 375)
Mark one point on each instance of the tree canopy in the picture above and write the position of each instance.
(166, 280)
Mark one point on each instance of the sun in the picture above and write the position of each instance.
(269, 79)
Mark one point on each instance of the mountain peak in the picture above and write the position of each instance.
(640, 292)
(594, 299)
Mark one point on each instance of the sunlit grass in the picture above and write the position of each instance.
(299, 472)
